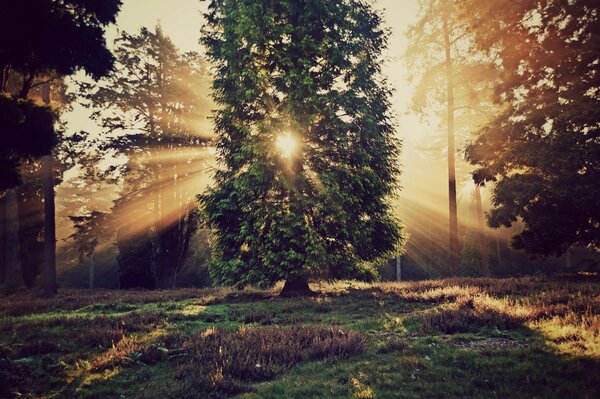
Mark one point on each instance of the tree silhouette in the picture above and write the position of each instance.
(54, 38)
(453, 85)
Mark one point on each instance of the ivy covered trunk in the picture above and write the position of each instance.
(305, 142)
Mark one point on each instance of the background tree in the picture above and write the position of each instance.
(453, 86)
(91, 230)
(155, 104)
(543, 150)
(306, 142)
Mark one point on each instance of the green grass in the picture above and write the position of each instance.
(453, 338)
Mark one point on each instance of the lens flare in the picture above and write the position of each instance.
(286, 144)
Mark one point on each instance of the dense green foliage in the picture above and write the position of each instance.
(310, 71)
(27, 131)
(542, 149)
(41, 41)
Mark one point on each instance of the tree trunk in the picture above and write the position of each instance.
(92, 267)
(453, 213)
(483, 247)
(14, 273)
(3, 249)
(399, 268)
(49, 275)
(569, 259)
(294, 287)
(498, 252)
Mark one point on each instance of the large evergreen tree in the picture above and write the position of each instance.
(306, 141)
(543, 149)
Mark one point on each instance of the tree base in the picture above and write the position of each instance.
(296, 288)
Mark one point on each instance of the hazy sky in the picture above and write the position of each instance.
(182, 20)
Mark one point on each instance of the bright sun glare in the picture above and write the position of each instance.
(286, 144)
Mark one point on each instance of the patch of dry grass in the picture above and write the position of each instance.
(221, 361)
(119, 354)
(567, 314)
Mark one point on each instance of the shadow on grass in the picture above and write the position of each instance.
(449, 338)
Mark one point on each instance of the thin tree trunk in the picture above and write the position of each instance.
(399, 268)
(27, 83)
(92, 271)
(49, 228)
(49, 275)
(498, 252)
(14, 273)
(454, 251)
(569, 259)
(483, 248)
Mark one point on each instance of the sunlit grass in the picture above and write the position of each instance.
(450, 338)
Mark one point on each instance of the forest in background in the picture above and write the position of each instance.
(126, 193)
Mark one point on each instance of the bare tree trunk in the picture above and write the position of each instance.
(454, 250)
(483, 248)
(27, 84)
(498, 252)
(569, 259)
(14, 273)
(399, 268)
(92, 271)
(49, 275)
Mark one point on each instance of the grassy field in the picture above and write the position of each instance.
(453, 338)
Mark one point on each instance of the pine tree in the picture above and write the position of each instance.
(306, 142)
(157, 100)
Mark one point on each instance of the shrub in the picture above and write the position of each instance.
(38, 347)
(121, 353)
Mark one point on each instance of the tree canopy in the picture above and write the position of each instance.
(542, 149)
(153, 108)
(305, 139)
(41, 41)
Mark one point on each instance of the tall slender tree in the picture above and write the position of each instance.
(306, 142)
(432, 50)
(483, 244)
(455, 85)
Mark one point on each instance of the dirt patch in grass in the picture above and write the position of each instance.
(488, 344)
